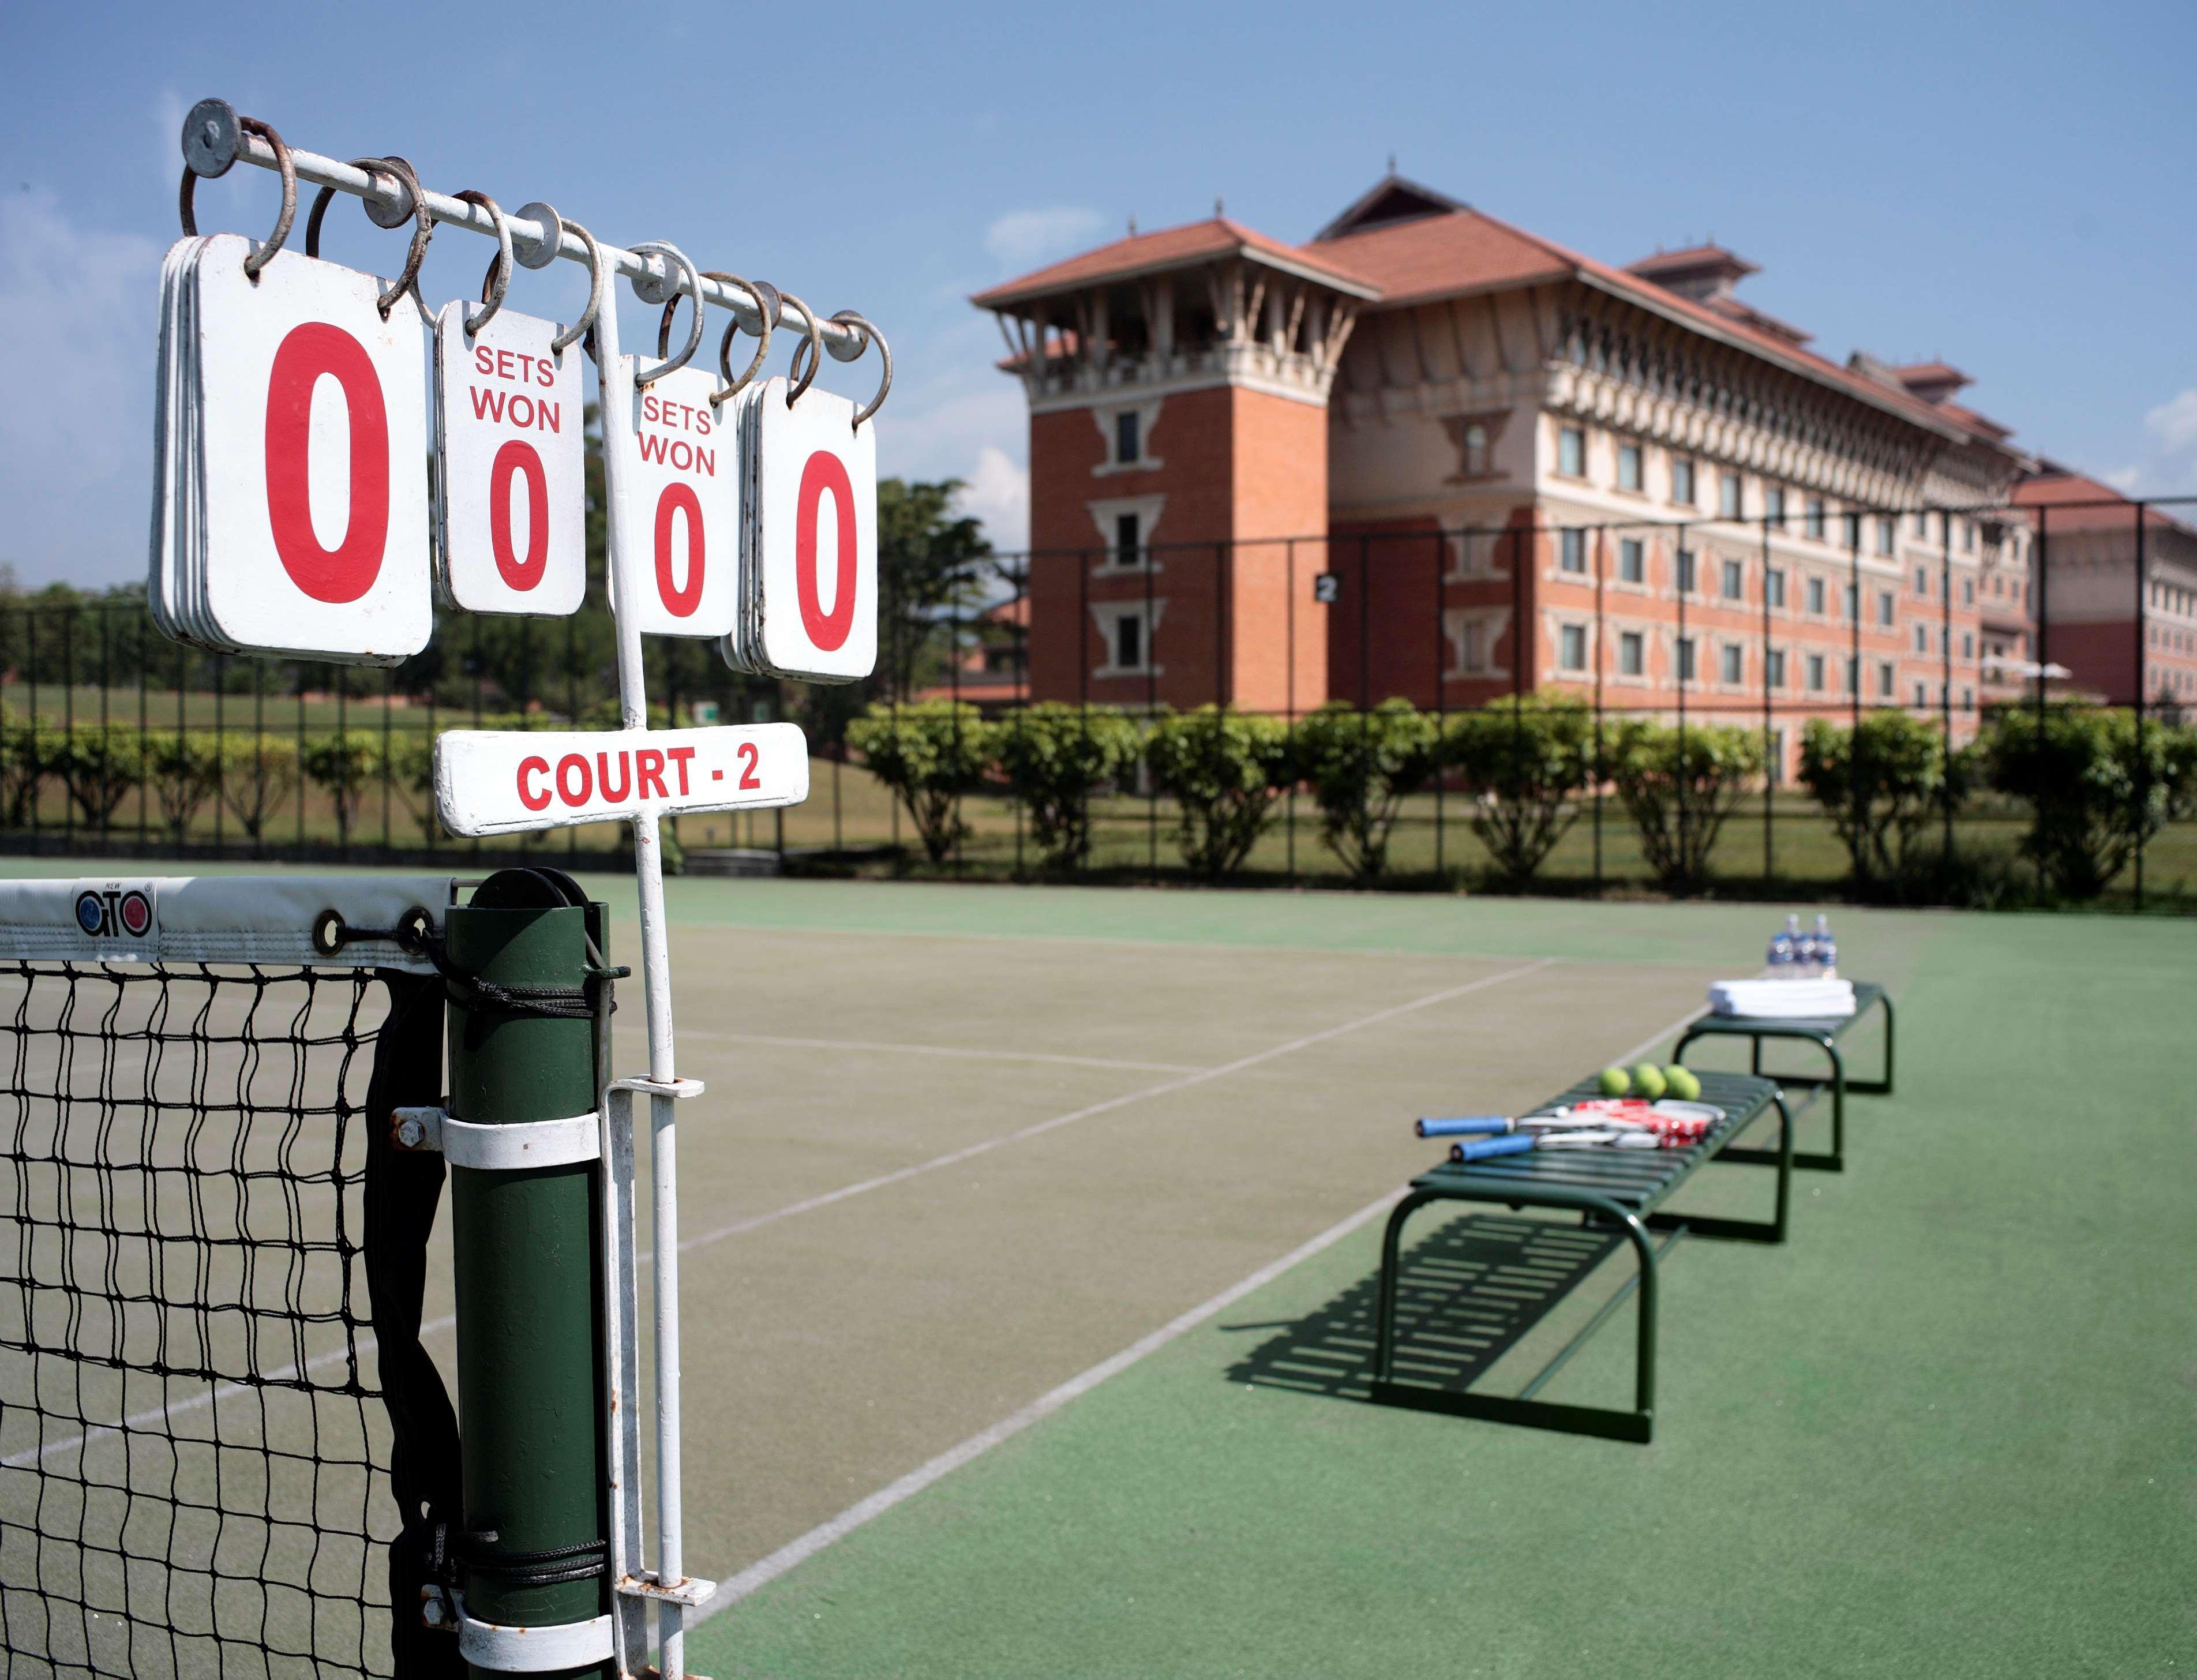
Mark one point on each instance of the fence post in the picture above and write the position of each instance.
(526, 1250)
(2143, 672)
(69, 722)
(1289, 709)
(1152, 706)
(1769, 767)
(1441, 714)
(1685, 560)
(1945, 671)
(1594, 767)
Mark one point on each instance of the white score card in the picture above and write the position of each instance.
(511, 478)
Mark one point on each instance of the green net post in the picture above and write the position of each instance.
(527, 1251)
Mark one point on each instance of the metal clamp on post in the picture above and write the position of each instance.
(531, 1650)
(508, 1148)
(692, 1593)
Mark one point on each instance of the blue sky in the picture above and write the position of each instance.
(2006, 186)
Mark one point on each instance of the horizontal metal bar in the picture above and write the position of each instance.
(845, 344)
(1601, 1317)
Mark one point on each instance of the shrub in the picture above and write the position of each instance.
(929, 753)
(1224, 770)
(1880, 783)
(345, 763)
(97, 764)
(1054, 755)
(1360, 765)
(412, 771)
(1678, 787)
(185, 769)
(2094, 795)
(259, 775)
(1524, 763)
(23, 772)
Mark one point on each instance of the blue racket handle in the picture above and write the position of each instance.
(1488, 1148)
(1464, 1125)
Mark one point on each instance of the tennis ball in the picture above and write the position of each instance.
(1680, 1082)
(1647, 1081)
(1616, 1081)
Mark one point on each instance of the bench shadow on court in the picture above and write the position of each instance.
(1467, 1294)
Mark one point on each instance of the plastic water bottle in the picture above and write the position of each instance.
(1785, 949)
(1826, 949)
(1806, 964)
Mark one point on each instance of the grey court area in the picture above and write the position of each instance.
(935, 1176)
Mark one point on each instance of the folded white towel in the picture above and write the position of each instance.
(1783, 1000)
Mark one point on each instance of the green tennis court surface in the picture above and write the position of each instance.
(973, 1384)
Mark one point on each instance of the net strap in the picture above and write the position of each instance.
(402, 1189)
(469, 991)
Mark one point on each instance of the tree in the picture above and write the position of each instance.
(928, 753)
(259, 775)
(1680, 786)
(185, 767)
(1525, 762)
(1880, 783)
(1054, 756)
(1360, 766)
(1224, 770)
(344, 762)
(932, 563)
(2096, 791)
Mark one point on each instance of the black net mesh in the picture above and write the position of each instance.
(194, 1455)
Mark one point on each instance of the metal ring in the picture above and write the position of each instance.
(259, 259)
(766, 302)
(813, 343)
(498, 280)
(423, 226)
(660, 248)
(570, 335)
(870, 335)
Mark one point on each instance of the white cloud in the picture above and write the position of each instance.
(2173, 423)
(2125, 480)
(76, 366)
(998, 493)
(1022, 238)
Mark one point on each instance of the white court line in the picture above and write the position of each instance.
(1166, 1087)
(766, 1570)
(213, 1396)
(686, 1032)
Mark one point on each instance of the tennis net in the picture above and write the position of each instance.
(216, 1422)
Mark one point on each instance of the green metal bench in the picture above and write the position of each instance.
(1825, 1035)
(1620, 1190)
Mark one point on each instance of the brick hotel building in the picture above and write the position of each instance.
(1218, 419)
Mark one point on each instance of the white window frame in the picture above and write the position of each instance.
(1148, 416)
(1107, 614)
(1491, 623)
(1105, 511)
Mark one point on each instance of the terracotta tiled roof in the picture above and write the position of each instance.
(1694, 257)
(1932, 372)
(1470, 250)
(1169, 248)
(2066, 493)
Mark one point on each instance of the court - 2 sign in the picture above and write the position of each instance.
(499, 781)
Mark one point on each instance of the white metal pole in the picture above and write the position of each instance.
(615, 384)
